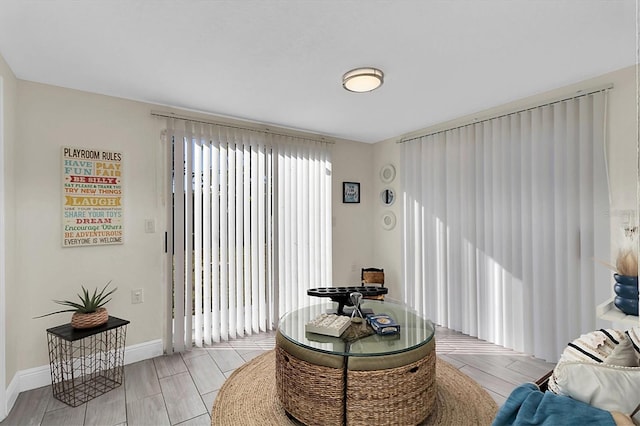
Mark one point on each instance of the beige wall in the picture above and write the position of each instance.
(352, 236)
(9, 88)
(50, 117)
(387, 244)
(622, 159)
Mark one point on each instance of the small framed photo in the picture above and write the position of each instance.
(350, 192)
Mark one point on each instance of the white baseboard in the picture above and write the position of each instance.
(142, 351)
(37, 377)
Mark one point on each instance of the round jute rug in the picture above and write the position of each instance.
(248, 397)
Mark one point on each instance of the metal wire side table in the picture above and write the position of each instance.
(86, 363)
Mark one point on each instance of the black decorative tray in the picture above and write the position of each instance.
(341, 295)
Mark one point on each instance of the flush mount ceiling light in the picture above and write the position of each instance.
(362, 79)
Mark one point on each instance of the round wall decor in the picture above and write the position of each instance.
(387, 173)
(387, 196)
(388, 220)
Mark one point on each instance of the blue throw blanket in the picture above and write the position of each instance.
(527, 405)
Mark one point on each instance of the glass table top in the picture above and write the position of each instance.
(415, 331)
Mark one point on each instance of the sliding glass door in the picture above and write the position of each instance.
(250, 229)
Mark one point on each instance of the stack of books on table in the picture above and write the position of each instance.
(328, 324)
(383, 324)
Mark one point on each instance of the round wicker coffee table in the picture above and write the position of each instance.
(373, 379)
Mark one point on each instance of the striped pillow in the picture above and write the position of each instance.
(634, 336)
(604, 346)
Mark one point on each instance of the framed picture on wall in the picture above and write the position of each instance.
(350, 192)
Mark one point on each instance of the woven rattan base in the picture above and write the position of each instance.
(313, 394)
(396, 396)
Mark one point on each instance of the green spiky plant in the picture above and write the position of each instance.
(88, 302)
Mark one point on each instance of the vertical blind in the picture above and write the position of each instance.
(502, 221)
(248, 228)
(304, 221)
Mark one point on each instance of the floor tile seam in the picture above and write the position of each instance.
(195, 384)
(153, 375)
(216, 362)
(484, 386)
(84, 415)
(490, 370)
(526, 375)
(169, 356)
(164, 404)
(206, 410)
(219, 366)
(166, 410)
(164, 399)
(489, 374)
(188, 420)
(194, 352)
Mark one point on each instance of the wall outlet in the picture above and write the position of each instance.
(137, 296)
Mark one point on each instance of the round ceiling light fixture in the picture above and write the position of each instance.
(362, 79)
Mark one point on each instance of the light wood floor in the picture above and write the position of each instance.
(180, 389)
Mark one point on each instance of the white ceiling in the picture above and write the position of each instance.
(281, 61)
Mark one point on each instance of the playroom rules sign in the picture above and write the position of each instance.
(92, 197)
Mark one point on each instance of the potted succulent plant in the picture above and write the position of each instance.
(90, 311)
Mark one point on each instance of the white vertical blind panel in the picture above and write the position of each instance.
(272, 231)
(188, 242)
(502, 229)
(411, 250)
(247, 304)
(167, 139)
(480, 247)
(586, 136)
(312, 219)
(207, 262)
(515, 166)
(197, 241)
(528, 232)
(179, 247)
(216, 239)
(231, 232)
(572, 237)
(264, 240)
(327, 212)
(323, 227)
(488, 282)
(303, 220)
(239, 231)
(468, 231)
(416, 249)
(559, 172)
(294, 225)
(439, 205)
(285, 241)
(601, 237)
(280, 254)
(255, 282)
(425, 235)
(451, 238)
(224, 238)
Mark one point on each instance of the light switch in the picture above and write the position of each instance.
(149, 226)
